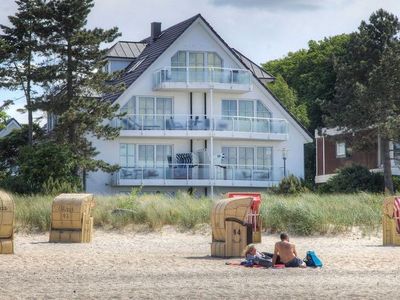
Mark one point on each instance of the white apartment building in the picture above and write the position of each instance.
(198, 117)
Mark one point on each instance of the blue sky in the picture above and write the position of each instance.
(261, 29)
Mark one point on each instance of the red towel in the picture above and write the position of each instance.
(397, 213)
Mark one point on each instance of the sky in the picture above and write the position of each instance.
(261, 29)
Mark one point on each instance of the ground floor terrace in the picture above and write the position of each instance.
(173, 265)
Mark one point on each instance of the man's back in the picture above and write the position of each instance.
(286, 251)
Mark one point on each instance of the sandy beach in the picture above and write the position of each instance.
(173, 265)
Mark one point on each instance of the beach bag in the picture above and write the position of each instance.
(312, 260)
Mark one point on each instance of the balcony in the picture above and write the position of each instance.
(201, 126)
(202, 78)
(197, 175)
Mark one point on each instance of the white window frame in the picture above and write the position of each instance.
(255, 102)
(135, 106)
(205, 53)
(340, 149)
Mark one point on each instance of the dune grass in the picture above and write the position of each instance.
(303, 214)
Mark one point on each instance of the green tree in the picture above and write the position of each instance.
(19, 45)
(383, 94)
(311, 74)
(359, 104)
(289, 98)
(3, 119)
(46, 161)
(11, 145)
(76, 82)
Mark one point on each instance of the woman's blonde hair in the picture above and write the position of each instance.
(248, 249)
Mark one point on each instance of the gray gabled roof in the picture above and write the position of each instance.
(254, 68)
(124, 49)
(153, 50)
(9, 121)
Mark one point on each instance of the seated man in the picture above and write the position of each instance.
(287, 253)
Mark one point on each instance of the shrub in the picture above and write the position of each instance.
(396, 183)
(44, 167)
(354, 179)
(289, 185)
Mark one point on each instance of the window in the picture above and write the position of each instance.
(179, 59)
(196, 59)
(154, 155)
(127, 155)
(213, 60)
(229, 107)
(163, 106)
(243, 156)
(262, 111)
(264, 157)
(246, 156)
(137, 64)
(396, 153)
(340, 149)
(230, 155)
(129, 107)
(148, 105)
(245, 108)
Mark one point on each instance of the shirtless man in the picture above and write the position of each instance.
(287, 253)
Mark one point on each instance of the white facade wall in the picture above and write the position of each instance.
(198, 38)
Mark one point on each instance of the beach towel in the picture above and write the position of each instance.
(243, 264)
(396, 213)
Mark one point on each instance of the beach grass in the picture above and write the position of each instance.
(303, 214)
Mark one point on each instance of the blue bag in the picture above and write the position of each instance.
(312, 260)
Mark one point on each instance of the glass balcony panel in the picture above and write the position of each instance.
(243, 124)
(201, 122)
(200, 172)
(201, 75)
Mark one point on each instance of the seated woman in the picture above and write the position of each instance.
(252, 256)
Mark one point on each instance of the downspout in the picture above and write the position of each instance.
(212, 144)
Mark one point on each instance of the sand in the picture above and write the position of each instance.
(171, 265)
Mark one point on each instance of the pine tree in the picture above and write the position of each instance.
(18, 47)
(353, 108)
(77, 83)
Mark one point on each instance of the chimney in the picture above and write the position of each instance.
(155, 30)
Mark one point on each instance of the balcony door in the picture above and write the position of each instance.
(154, 112)
(244, 115)
(196, 67)
(245, 163)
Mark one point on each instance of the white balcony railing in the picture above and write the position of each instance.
(200, 122)
(199, 172)
(174, 77)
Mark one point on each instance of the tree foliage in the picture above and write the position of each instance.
(10, 147)
(20, 44)
(310, 73)
(366, 91)
(289, 98)
(48, 44)
(75, 82)
(354, 179)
